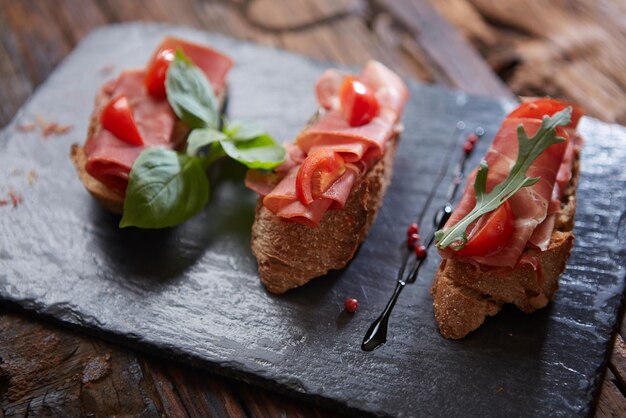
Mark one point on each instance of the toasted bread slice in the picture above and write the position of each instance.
(290, 254)
(464, 294)
(113, 200)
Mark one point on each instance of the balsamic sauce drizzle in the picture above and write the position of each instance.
(376, 335)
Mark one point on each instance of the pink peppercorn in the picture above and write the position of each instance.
(420, 252)
(350, 305)
(413, 238)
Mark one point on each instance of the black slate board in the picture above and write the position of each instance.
(192, 292)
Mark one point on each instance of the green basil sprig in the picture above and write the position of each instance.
(247, 144)
(165, 188)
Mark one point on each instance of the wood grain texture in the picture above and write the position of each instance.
(569, 49)
(45, 370)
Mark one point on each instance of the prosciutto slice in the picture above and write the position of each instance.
(542, 235)
(110, 159)
(360, 147)
(530, 205)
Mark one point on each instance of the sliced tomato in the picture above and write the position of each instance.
(117, 118)
(156, 72)
(358, 102)
(317, 173)
(492, 232)
(538, 108)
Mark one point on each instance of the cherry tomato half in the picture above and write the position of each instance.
(317, 173)
(493, 232)
(117, 118)
(358, 103)
(538, 108)
(156, 72)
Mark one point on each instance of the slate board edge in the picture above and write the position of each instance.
(595, 384)
(36, 312)
(218, 368)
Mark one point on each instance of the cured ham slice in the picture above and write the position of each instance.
(359, 146)
(333, 132)
(110, 159)
(282, 200)
(530, 205)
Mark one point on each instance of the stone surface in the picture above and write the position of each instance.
(192, 292)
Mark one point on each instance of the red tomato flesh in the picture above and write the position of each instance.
(491, 233)
(537, 109)
(117, 118)
(317, 173)
(156, 72)
(358, 103)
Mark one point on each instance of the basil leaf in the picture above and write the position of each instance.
(190, 94)
(200, 138)
(240, 131)
(164, 189)
(260, 152)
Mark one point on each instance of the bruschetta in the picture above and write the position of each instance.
(132, 114)
(316, 208)
(515, 253)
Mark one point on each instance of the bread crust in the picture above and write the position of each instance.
(290, 254)
(465, 294)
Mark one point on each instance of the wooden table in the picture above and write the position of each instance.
(536, 49)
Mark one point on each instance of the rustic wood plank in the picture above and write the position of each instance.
(611, 403)
(16, 87)
(229, 18)
(463, 15)
(48, 371)
(38, 45)
(617, 362)
(120, 11)
(203, 394)
(75, 18)
(280, 16)
(572, 50)
(448, 52)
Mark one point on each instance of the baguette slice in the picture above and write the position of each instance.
(113, 200)
(464, 295)
(290, 254)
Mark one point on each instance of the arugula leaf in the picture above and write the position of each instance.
(200, 138)
(164, 189)
(261, 152)
(190, 94)
(528, 151)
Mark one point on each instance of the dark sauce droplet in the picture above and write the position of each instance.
(376, 334)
